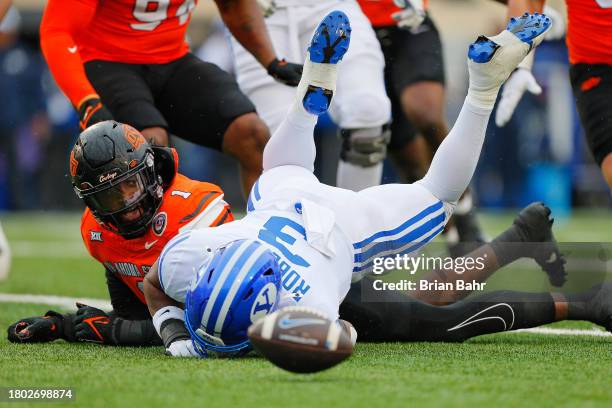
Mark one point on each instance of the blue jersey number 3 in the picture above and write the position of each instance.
(272, 233)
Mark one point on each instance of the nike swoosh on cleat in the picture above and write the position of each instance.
(288, 323)
(553, 258)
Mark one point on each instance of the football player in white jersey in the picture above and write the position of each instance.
(303, 242)
(361, 108)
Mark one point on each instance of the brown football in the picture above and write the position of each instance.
(301, 340)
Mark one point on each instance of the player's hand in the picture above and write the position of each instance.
(520, 80)
(285, 72)
(91, 111)
(182, 348)
(93, 325)
(268, 7)
(412, 14)
(38, 329)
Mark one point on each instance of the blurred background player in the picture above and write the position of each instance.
(4, 7)
(414, 77)
(19, 108)
(5, 251)
(361, 109)
(129, 60)
(136, 202)
(589, 35)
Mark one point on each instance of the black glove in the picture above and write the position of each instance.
(285, 72)
(94, 325)
(42, 329)
(91, 112)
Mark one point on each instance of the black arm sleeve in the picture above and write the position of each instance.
(133, 326)
(125, 303)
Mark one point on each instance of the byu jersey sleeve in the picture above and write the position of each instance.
(178, 264)
(185, 254)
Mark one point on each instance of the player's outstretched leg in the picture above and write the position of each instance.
(292, 143)
(492, 60)
(328, 45)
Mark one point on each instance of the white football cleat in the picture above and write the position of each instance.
(492, 60)
(328, 45)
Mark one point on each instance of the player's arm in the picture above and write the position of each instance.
(168, 317)
(244, 19)
(521, 79)
(519, 7)
(128, 324)
(4, 6)
(62, 22)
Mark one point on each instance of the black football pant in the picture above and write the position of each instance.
(396, 317)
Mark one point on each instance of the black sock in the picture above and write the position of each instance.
(577, 305)
(510, 245)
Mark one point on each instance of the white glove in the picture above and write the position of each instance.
(520, 80)
(268, 7)
(182, 348)
(412, 14)
(557, 30)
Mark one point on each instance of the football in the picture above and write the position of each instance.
(301, 340)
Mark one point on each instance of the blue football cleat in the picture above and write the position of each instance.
(317, 100)
(331, 39)
(328, 45)
(526, 28)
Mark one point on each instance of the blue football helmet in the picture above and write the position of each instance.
(237, 287)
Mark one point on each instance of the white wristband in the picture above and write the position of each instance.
(165, 313)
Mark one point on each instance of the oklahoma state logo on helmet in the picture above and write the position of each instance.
(134, 137)
(74, 164)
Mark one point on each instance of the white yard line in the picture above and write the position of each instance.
(60, 301)
(69, 303)
(68, 249)
(567, 332)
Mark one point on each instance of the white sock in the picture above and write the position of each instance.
(453, 165)
(293, 141)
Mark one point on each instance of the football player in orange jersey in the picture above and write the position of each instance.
(414, 77)
(589, 36)
(136, 202)
(129, 60)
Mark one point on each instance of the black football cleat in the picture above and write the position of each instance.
(535, 226)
